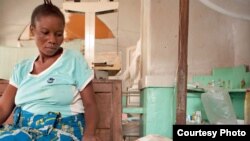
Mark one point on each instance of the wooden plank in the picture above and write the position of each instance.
(108, 96)
(117, 110)
(104, 104)
(182, 65)
(90, 6)
(103, 87)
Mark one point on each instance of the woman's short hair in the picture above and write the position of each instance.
(46, 9)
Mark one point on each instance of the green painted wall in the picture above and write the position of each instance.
(194, 103)
(229, 78)
(159, 109)
(159, 106)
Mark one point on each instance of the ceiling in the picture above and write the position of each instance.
(235, 8)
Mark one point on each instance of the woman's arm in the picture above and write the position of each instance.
(7, 103)
(91, 113)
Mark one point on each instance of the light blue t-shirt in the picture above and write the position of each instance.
(55, 89)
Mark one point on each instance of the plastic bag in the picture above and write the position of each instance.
(154, 138)
(218, 106)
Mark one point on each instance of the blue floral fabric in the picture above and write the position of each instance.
(48, 127)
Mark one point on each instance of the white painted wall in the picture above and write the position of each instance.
(128, 26)
(15, 15)
(215, 40)
(10, 56)
(218, 39)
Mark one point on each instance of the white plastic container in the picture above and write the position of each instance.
(218, 106)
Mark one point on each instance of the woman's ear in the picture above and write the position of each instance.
(32, 28)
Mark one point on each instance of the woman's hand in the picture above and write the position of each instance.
(91, 138)
(91, 113)
(7, 102)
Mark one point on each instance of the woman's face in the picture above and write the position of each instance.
(48, 34)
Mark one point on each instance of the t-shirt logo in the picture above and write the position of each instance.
(50, 80)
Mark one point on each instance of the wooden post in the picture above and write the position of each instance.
(182, 63)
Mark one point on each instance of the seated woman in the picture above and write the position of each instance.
(52, 93)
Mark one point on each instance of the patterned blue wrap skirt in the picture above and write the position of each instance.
(48, 127)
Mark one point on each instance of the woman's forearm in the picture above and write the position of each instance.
(7, 103)
(91, 119)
